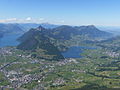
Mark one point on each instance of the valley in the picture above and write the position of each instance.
(57, 60)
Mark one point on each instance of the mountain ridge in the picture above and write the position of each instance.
(40, 45)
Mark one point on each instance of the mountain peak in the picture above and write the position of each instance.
(40, 28)
(92, 26)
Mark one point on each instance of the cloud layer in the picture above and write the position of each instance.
(33, 20)
(25, 20)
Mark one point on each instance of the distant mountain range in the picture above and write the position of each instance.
(10, 28)
(27, 26)
(112, 29)
(20, 28)
(66, 32)
(24, 27)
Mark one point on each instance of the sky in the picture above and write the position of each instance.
(71, 12)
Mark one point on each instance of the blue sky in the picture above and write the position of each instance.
(73, 12)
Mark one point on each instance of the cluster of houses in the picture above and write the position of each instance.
(112, 54)
(18, 78)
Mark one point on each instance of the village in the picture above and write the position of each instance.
(17, 78)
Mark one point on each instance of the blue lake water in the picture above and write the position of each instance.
(75, 51)
(9, 40)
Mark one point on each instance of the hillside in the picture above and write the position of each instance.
(10, 28)
(41, 47)
(112, 44)
(1, 34)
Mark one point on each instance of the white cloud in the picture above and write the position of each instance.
(11, 19)
(60, 21)
(41, 19)
(8, 20)
(22, 20)
(28, 19)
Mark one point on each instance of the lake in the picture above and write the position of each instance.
(9, 40)
(75, 51)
